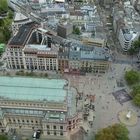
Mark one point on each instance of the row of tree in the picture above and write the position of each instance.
(5, 21)
(31, 74)
(133, 80)
(113, 132)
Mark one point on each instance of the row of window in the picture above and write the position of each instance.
(54, 127)
(24, 111)
(41, 64)
(55, 133)
(24, 104)
(42, 67)
(22, 121)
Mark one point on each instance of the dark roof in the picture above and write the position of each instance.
(22, 35)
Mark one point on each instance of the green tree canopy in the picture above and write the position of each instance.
(3, 6)
(114, 132)
(136, 100)
(3, 137)
(76, 30)
(136, 90)
(132, 51)
(10, 14)
(135, 47)
(136, 95)
(132, 77)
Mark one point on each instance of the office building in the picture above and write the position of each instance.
(64, 30)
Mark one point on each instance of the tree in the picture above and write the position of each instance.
(135, 47)
(136, 95)
(3, 6)
(136, 90)
(2, 37)
(3, 137)
(10, 14)
(76, 30)
(132, 77)
(136, 100)
(114, 132)
(132, 51)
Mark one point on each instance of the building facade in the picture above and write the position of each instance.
(34, 53)
(127, 37)
(48, 106)
(64, 30)
(32, 48)
(88, 59)
(63, 59)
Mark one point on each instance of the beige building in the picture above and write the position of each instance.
(88, 59)
(32, 104)
(98, 42)
(32, 49)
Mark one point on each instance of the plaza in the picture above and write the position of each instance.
(106, 106)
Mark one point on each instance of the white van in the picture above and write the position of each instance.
(34, 135)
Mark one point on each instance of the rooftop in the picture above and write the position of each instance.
(19, 17)
(38, 47)
(22, 35)
(88, 52)
(32, 89)
(95, 53)
(127, 34)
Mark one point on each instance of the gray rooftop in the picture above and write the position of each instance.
(96, 53)
(17, 88)
(21, 37)
(80, 51)
(127, 34)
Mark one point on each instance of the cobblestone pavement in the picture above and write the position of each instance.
(106, 107)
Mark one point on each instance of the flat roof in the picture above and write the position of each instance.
(38, 47)
(32, 89)
(95, 53)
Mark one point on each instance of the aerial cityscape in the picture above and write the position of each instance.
(69, 69)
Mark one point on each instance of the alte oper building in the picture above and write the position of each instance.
(33, 103)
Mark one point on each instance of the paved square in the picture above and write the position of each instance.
(106, 105)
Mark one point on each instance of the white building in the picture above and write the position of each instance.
(127, 37)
